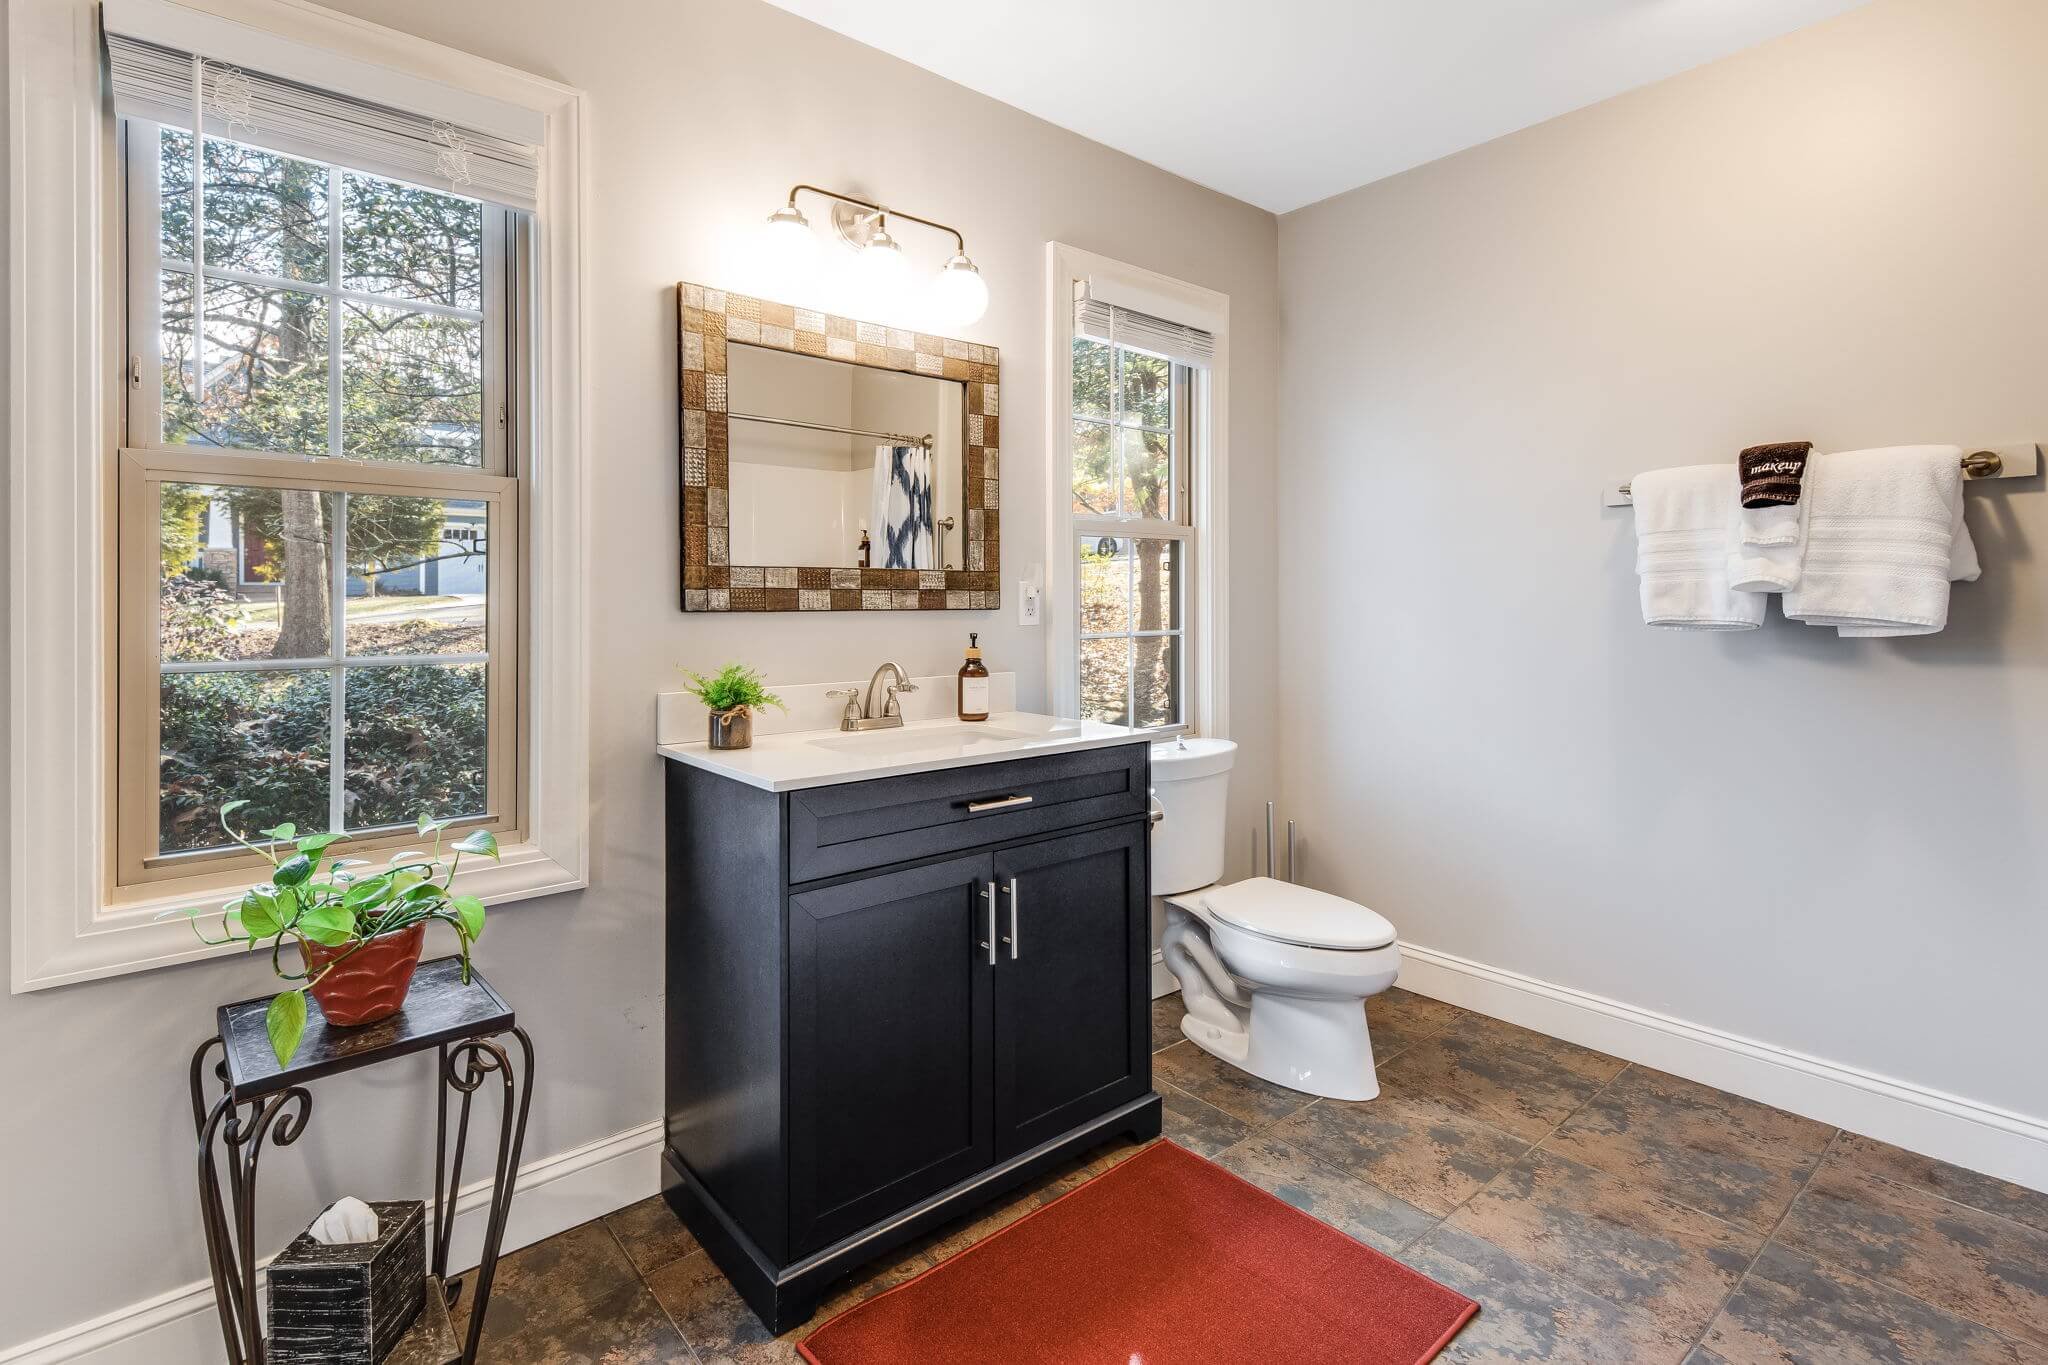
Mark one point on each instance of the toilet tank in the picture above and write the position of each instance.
(1190, 778)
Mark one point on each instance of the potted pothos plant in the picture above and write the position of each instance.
(731, 697)
(359, 928)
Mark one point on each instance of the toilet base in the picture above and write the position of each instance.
(1319, 1047)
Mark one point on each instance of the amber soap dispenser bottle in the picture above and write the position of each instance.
(974, 683)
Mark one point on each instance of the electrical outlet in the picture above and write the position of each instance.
(1030, 601)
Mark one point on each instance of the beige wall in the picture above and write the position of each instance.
(702, 113)
(1829, 845)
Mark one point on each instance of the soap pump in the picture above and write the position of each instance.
(974, 682)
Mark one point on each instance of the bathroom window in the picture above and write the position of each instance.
(319, 491)
(377, 248)
(1132, 436)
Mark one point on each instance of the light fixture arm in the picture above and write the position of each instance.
(960, 242)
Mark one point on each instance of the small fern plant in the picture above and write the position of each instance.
(734, 689)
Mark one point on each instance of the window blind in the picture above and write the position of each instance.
(1106, 322)
(166, 85)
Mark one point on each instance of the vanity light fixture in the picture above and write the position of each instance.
(882, 265)
(959, 292)
(789, 237)
(962, 292)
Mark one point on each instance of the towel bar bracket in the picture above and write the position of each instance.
(1985, 462)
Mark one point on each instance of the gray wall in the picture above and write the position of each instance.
(702, 114)
(1829, 845)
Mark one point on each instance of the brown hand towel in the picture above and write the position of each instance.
(1771, 474)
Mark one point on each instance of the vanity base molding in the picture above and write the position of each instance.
(784, 1297)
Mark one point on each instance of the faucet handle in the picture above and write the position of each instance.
(850, 713)
(891, 707)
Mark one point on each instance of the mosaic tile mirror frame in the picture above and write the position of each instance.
(707, 319)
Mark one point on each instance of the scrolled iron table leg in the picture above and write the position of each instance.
(212, 1213)
(464, 1067)
(231, 1240)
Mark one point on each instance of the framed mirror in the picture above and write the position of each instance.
(834, 465)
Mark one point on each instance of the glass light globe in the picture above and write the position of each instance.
(961, 295)
(879, 273)
(789, 248)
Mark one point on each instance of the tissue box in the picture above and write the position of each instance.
(349, 1305)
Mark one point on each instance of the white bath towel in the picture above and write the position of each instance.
(1770, 548)
(1686, 524)
(1885, 537)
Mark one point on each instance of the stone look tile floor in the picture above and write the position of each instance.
(1597, 1211)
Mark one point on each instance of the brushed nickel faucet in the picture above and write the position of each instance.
(863, 715)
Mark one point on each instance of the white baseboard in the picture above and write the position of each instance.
(1982, 1137)
(554, 1194)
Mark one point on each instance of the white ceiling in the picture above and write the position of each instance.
(1285, 102)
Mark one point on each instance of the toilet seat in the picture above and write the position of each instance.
(1283, 912)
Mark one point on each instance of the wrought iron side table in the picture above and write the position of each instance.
(261, 1102)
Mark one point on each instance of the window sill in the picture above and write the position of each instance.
(128, 934)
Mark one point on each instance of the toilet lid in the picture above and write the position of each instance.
(1287, 913)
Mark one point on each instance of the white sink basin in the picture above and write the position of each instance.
(956, 740)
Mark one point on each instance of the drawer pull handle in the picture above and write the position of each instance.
(990, 942)
(997, 803)
(1014, 936)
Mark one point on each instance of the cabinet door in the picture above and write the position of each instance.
(888, 1045)
(1070, 983)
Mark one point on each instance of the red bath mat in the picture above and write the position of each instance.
(1164, 1259)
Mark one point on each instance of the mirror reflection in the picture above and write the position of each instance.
(840, 465)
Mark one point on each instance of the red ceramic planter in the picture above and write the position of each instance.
(372, 982)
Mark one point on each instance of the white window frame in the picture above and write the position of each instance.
(71, 919)
(1206, 610)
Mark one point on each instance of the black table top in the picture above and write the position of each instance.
(438, 1009)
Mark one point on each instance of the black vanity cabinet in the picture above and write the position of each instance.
(889, 1076)
(890, 1001)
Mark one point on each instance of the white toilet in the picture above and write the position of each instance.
(1274, 976)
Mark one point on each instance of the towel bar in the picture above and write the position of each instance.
(1985, 462)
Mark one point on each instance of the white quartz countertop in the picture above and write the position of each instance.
(822, 758)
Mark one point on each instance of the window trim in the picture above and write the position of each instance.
(1206, 704)
(70, 921)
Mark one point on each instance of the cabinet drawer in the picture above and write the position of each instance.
(859, 825)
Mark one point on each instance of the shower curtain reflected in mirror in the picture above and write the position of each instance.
(903, 508)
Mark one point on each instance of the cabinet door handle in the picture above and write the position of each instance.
(998, 803)
(1013, 939)
(990, 942)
